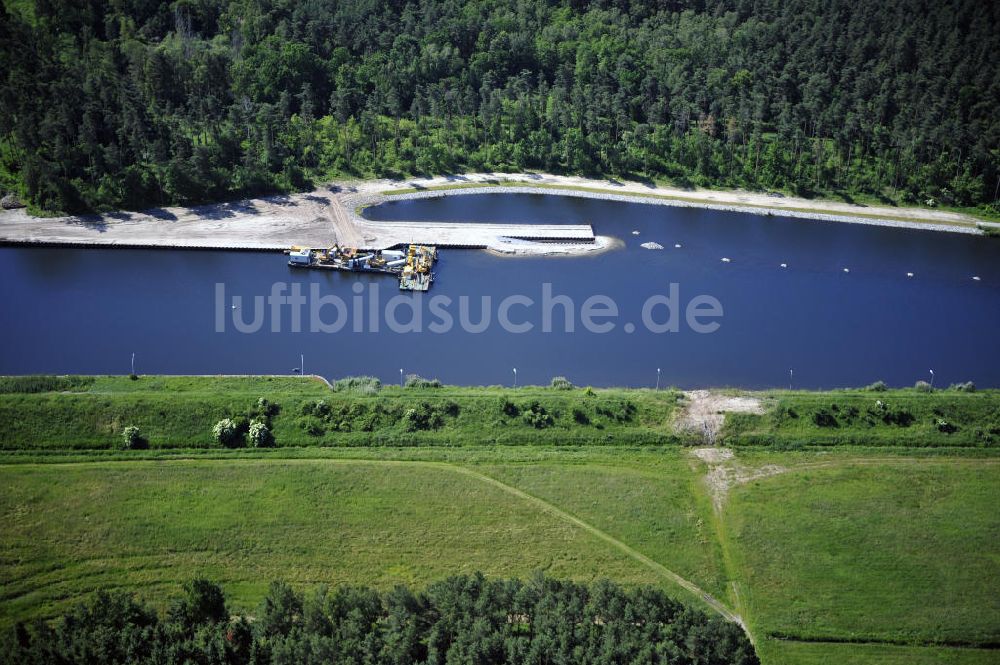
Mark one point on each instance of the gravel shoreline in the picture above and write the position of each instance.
(370, 199)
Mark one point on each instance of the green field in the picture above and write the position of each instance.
(850, 546)
(797, 653)
(875, 542)
(70, 530)
(895, 550)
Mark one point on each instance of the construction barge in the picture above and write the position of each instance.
(412, 266)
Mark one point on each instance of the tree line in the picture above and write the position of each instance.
(139, 103)
(464, 619)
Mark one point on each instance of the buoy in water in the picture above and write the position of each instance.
(847, 270)
(784, 265)
(909, 274)
(976, 278)
(635, 233)
(725, 259)
(677, 245)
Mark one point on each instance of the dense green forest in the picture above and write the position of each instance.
(137, 102)
(459, 620)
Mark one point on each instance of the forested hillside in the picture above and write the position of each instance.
(138, 102)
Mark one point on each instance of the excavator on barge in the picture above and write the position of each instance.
(412, 266)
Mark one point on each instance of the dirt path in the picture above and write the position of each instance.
(725, 471)
(656, 567)
(703, 412)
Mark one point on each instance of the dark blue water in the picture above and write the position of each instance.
(86, 311)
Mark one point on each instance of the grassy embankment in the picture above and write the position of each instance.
(179, 412)
(948, 418)
(883, 555)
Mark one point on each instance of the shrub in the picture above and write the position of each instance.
(877, 387)
(589, 392)
(203, 602)
(132, 439)
(923, 387)
(417, 381)
(426, 417)
(363, 385)
(901, 417)
(537, 416)
(620, 410)
(945, 427)
(260, 436)
(580, 416)
(320, 409)
(508, 408)
(561, 383)
(824, 418)
(967, 387)
(312, 426)
(42, 384)
(266, 408)
(228, 433)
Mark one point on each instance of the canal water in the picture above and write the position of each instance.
(87, 311)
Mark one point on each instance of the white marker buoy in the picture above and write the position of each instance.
(847, 270)
(784, 265)
(725, 259)
(909, 274)
(976, 278)
(677, 245)
(635, 233)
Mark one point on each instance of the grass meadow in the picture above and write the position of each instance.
(856, 534)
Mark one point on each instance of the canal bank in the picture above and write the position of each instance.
(335, 214)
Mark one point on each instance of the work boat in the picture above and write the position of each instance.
(412, 266)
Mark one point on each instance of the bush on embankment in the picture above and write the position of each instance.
(910, 417)
(179, 412)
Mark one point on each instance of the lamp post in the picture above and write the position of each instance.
(133, 363)
(657, 378)
(400, 377)
(791, 375)
(932, 378)
(515, 377)
(302, 364)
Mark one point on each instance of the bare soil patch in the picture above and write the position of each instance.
(704, 412)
